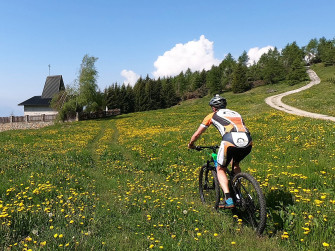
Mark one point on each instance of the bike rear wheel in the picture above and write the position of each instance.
(209, 187)
(249, 201)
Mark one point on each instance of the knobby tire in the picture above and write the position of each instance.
(250, 202)
(209, 187)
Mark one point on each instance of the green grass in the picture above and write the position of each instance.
(319, 98)
(131, 183)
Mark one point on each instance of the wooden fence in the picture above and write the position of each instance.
(28, 118)
(48, 118)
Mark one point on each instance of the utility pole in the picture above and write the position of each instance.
(49, 69)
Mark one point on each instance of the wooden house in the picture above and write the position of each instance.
(39, 105)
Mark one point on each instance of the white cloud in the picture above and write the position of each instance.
(130, 77)
(256, 53)
(196, 55)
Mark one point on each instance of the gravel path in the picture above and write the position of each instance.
(275, 101)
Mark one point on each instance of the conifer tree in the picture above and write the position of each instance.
(213, 82)
(227, 67)
(139, 92)
(169, 95)
(240, 81)
(271, 67)
(297, 72)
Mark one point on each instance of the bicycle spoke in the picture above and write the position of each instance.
(208, 187)
(250, 201)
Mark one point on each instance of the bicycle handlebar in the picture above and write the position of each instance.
(199, 148)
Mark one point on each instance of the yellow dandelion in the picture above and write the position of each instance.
(233, 242)
(325, 244)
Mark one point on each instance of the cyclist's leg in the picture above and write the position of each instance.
(222, 177)
(236, 167)
(239, 155)
(223, 159)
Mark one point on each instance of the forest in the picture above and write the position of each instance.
(237, 75)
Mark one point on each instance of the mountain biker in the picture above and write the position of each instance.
(236, 141)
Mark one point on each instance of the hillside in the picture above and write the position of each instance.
(320, 98)
(131, 183)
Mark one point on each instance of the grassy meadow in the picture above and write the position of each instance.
(130, 182)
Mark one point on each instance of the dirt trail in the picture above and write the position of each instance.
(275, 101)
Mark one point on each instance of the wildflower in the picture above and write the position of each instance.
(233, 242)
(215, 234)
(151, 246)
(285, 235)
(325, 244)
(43, 243)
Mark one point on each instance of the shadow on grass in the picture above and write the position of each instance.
(280, 206)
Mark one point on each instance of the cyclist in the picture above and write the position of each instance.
(236, 141)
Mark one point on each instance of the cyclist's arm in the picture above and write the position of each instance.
(196, 135)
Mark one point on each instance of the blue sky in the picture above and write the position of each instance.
(134, 38)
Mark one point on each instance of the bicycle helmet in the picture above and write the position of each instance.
(218, 102)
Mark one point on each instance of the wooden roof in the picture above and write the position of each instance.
(37, 101)
(53, 85)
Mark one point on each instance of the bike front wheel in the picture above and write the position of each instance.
(209, 187)
(250, 201)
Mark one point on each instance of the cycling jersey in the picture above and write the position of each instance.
(225, 121)
(236, 140)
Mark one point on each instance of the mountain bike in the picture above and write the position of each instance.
(247, 195)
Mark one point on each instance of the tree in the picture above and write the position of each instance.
(297, 72)
(84, 94)
(271, 67)
(89, 97)
(169, 96)
(290, 53)
(213, 80)
(140, 95)
(326, 51)
(226, 68)
(311, 52)
(243, 59)
(240, 81)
